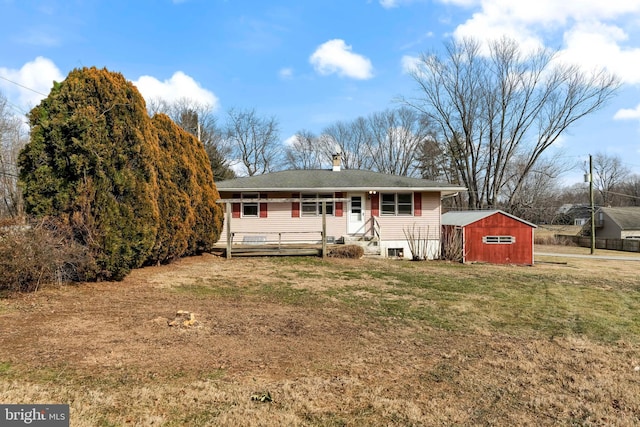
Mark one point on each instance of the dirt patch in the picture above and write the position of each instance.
(111, 325)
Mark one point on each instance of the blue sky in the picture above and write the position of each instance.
(310, 63)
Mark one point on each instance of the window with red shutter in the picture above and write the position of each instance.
(263, 206)
(295, 206)
(235, 207)
(375, 204)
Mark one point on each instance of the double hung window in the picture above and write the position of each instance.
(312, 204)
(250, 208)
(396, 204)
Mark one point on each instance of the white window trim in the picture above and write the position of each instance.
(395, 198)
(318, 210)
(498, 240)
(256, 204)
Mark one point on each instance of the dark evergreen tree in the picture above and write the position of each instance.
(95, 160)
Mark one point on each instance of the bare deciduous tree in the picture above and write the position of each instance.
(391, 142)
(13, 136)
(491, 109)
(398, 136)
(608, 174)
(535, 202)
(354, 139)
(631, 189)
(305, 151)
(254, 140)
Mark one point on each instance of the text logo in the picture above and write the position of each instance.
(34, 415)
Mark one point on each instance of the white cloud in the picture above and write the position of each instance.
(335, 56)
(31, 83)
(547, 13)
(286, 73)
(628, 114)
(590, 37)
(179, 86)
(464, 3)
(596, 45)
(289, 142)
(410, 64)
(34, 80)
(486, 27)
(388, 4)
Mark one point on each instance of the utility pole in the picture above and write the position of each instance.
(593, 208)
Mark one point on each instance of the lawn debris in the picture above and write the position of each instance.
(262, 397)
(184, 319)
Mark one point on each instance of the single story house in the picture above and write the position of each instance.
(573, 214)
(491, 236)
(358, 205)
(617, 223)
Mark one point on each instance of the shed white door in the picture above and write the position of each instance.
(356, 214)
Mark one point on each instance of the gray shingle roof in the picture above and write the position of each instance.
(627, 218)
(464, 218)
(344, 180)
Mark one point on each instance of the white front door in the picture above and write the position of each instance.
(356, 214)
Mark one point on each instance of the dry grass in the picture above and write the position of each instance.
(337, 342)
(549, 234)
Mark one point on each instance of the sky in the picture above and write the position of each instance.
(310, 63)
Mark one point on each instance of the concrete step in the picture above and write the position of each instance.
(371, 245)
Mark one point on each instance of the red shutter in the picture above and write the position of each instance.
(235, 207)
(263, 206)
(339, 205)
(417, 204)
(375, 204)
(295, 206)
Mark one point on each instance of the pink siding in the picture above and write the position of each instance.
(304, 228)
(392, 227)
(307, 228)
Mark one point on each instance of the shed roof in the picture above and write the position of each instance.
(627, 218)
(464, 218)
(329, 180)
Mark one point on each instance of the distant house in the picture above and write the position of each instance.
(617, 223)
(359, 205)
(573, 214)
(491, 236)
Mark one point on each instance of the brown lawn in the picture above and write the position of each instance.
(334, 343)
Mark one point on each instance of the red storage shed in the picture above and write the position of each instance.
(490, 236)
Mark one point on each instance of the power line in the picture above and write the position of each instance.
(621, 194)
(23, 86)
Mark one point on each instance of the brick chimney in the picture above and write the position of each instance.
(336, 162)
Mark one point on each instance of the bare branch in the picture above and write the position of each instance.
(489, 110)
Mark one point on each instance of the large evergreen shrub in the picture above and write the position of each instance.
(96, 161)
(187, 193)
